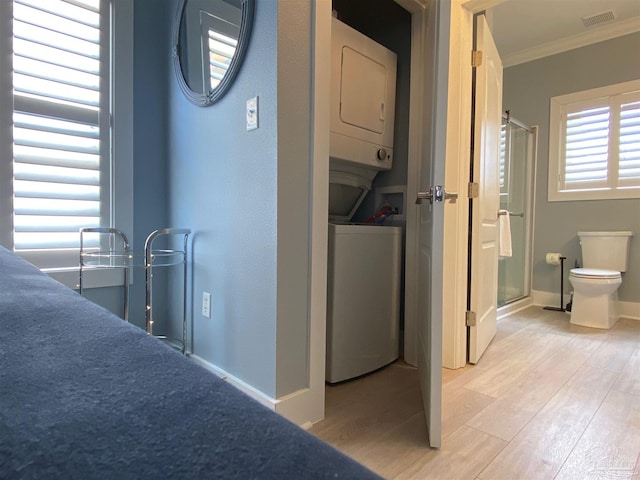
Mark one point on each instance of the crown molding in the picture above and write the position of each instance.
(476, 6)
(596, 35)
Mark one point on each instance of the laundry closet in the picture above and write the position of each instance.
(371, 46)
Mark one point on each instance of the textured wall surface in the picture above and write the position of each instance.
(245, 194)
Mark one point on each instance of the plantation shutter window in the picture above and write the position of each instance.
(594, 144)
(586, 148)
(629, 163)
(61, 134)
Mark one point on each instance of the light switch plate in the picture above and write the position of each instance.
(206, 304)
(252, 113)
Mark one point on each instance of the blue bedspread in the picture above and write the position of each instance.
(85, 395)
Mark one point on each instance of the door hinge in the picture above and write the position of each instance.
(470, 318)
(474, 190)
(476, 58)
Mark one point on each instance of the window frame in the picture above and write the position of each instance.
(557, 123)
(120, 139)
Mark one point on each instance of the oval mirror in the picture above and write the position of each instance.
(210, 39)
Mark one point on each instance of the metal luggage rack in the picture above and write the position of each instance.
(117, 254)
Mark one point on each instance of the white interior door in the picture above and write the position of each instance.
(430, 224)
(484, 223)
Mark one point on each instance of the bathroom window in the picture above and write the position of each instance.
(594, 144)
(63, 177)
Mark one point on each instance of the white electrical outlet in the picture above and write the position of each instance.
(206, 304)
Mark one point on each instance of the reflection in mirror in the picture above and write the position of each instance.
(210, 38)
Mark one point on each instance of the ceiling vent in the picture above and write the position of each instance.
(598, 18)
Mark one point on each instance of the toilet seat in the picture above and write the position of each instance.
(594, 273)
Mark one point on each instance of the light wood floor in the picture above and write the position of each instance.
(548, 400)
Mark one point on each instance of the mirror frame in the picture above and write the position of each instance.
(204, 99)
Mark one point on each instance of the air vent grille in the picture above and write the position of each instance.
(598, 18)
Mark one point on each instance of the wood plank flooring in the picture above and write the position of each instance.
(548, 400)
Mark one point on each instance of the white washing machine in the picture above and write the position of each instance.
(363, 299)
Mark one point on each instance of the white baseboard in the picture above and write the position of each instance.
(629, 310)
(514, 307)
(549, 299)
(625, 309)
(296, 407)
(244, 387)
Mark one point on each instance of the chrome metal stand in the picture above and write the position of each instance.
(109, 255)
(116, 258)
(163, 258)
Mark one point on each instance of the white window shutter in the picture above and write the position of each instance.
(61, 168)
(586, 144)
(629, 153)
(219, 43)
(594, 144)
(503, 156)
(221, 50)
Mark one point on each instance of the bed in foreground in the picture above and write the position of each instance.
(85, 395)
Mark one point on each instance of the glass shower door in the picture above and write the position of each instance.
(515, 189)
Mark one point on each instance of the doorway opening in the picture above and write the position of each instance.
(380, 210)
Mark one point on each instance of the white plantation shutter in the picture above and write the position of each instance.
(503, 156)
(586, 148)
(629, 163)
(221, 50)
(219, 41)
(594, 144)
(61, 126)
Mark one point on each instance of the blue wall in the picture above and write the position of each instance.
(223, 187)
(246, 197)
(151, 59)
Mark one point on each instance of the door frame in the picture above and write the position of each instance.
(311, 409)
(454, 330)
(418, 13)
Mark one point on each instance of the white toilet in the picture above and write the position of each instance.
(595, 286)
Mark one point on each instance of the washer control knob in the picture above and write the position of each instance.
(382, 154)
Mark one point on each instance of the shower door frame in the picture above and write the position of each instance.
(528, 212)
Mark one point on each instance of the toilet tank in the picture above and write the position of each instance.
(605, 250)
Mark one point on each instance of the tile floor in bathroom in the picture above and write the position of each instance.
(548, 400)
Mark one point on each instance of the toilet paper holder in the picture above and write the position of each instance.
(551, 259)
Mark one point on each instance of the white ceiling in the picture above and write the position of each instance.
(528, 29)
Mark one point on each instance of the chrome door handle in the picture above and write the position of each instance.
(435, 194)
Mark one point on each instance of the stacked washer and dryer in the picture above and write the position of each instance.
(364, 260)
